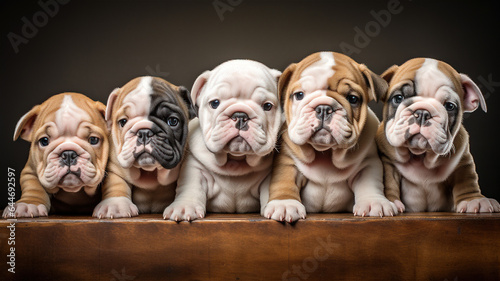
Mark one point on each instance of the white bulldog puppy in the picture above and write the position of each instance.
(231, 143)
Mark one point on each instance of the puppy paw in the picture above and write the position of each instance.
(184, 211)
(400, 206)
(115, 207)
(375, 207)
(23, 210)
(481, 205)
(289, 210)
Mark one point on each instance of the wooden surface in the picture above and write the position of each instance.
(432, 246)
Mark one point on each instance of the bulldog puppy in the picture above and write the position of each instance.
(148, 118)
(67, 158)
(328, 160)
(424, 146)
(231, 142)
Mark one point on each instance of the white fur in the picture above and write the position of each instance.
(23, 210)
(115, 207)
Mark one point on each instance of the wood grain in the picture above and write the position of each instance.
(431, 246)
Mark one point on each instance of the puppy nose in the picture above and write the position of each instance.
(323, 112)
(422, 116)
(241, 119)
(144, 136)
(68, 157)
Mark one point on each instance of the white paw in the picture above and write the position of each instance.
(400, 206)
(115, 207)
(482, 205)
(184, 211)
(23, 210)
(289, 210)
(375, 207)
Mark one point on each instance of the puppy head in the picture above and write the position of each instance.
(238, 108)
(325, 99)
(149, 119)
(69, 142)
(425, 103)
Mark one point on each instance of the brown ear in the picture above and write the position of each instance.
(184, 93)
(377, 86)
(101, 108)
(284, 81)
(387, 75)
(109, 106)
(24, 126)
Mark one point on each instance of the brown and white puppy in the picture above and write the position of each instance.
(67, 159)
(328, 160)
(231, 142)
(424, 146)
(148, 118)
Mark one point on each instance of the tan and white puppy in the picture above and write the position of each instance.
(424, 146)
(148, 118)
(328, 160)
(231, 142)
(67, 159)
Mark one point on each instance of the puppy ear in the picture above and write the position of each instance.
(109, 106)
(198, 87)
(184, 93)
(472, 95)
(283, 82)
(24, 126)
(101, 108)
(377, 86)
(387, 75)
(275, 73)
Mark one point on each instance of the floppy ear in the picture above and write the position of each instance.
(101, 108)
(472, 95)
(283, 82)
(198, 87)
(24, 126)
(377, 86)
(184, 93)
(387, 76)
(109, 106)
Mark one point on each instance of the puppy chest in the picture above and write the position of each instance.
(332, 197)
(423, 197)
(234, 194)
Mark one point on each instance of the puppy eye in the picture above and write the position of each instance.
(172, 121)
(298, 95)
(397, 99)
(267, 106)
(122, 122)
(214, 104)
(352, 99)
(94, 140)
(449, 106)
(43, 141)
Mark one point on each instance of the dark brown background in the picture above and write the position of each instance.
(94, 46)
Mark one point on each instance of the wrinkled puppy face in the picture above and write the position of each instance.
(149, 118)
(238, 108)
(425, 103)
(325, 97)
(69, 142)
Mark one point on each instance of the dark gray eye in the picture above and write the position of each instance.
(214, 104)
(352, 99)
(43, 141)
(94, 140)
(298, 95)
(172, 121)
(267, 106)
(122, 122)
(397, 99)
(449, 106)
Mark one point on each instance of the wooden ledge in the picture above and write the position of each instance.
(421, 246)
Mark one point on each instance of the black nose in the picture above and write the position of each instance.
(422, 117)
(241, 119)
(144, 136)
(68, 157)
(324, 112)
